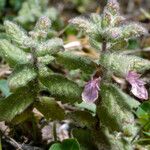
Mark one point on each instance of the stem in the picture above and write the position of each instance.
(104, 46)
(35, 61)
(35, 64)
(54, 131)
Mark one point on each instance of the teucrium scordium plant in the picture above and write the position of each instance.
(35, 60)
(109, 33)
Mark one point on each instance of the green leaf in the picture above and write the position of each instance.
(16, 103)
(21, 76)
(121, 64)
(72, 62)
(50, 47)
(56, 146)
(133, 44)
(4, 87)
(147, 133)
(115, 110)
(44, 71)
(143, 114)
(132, 30)
(47, 59)
(143, 110)
(13, 54)
(62, 88)
(70, 144)
(84, 138)
(119, 45)
(30, 11)
(89, 106)
(50, 109)
(82, 118)
(16, 33)
(2, 5)
(24, 116)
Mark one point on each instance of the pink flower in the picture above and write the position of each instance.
(90, 92)
(138, 89)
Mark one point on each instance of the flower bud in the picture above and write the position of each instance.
(43, 23)
(113, 7)
(106, 19)
(118, 20)
(82, 23)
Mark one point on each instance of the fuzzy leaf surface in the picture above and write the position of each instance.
(121, 64)
(117, 107)
(15, 104)
(72, 62)
(13, 54)
(16, 33)
(22, 76)
(50, 109)
(62, 88)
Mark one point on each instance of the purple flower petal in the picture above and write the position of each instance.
(138, 88)
(139, 91)
(90, 92)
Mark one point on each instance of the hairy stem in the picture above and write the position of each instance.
(104, 46)
(35, 64)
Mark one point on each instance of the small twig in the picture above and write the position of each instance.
(12, 142)
(54, 131)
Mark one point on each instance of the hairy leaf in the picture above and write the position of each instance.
(16, 33)
(72, 62)
(4, 88)
(84, 138)
(44, 71)
(82, 118)
(115, 110)
(24, 116)
(50, 109)
(12, 54)
(50, 47)
(121, 64)
(15, 104)
(47, 59)
(22, 76)
(62, 88)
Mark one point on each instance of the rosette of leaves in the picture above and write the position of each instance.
(109, 33)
